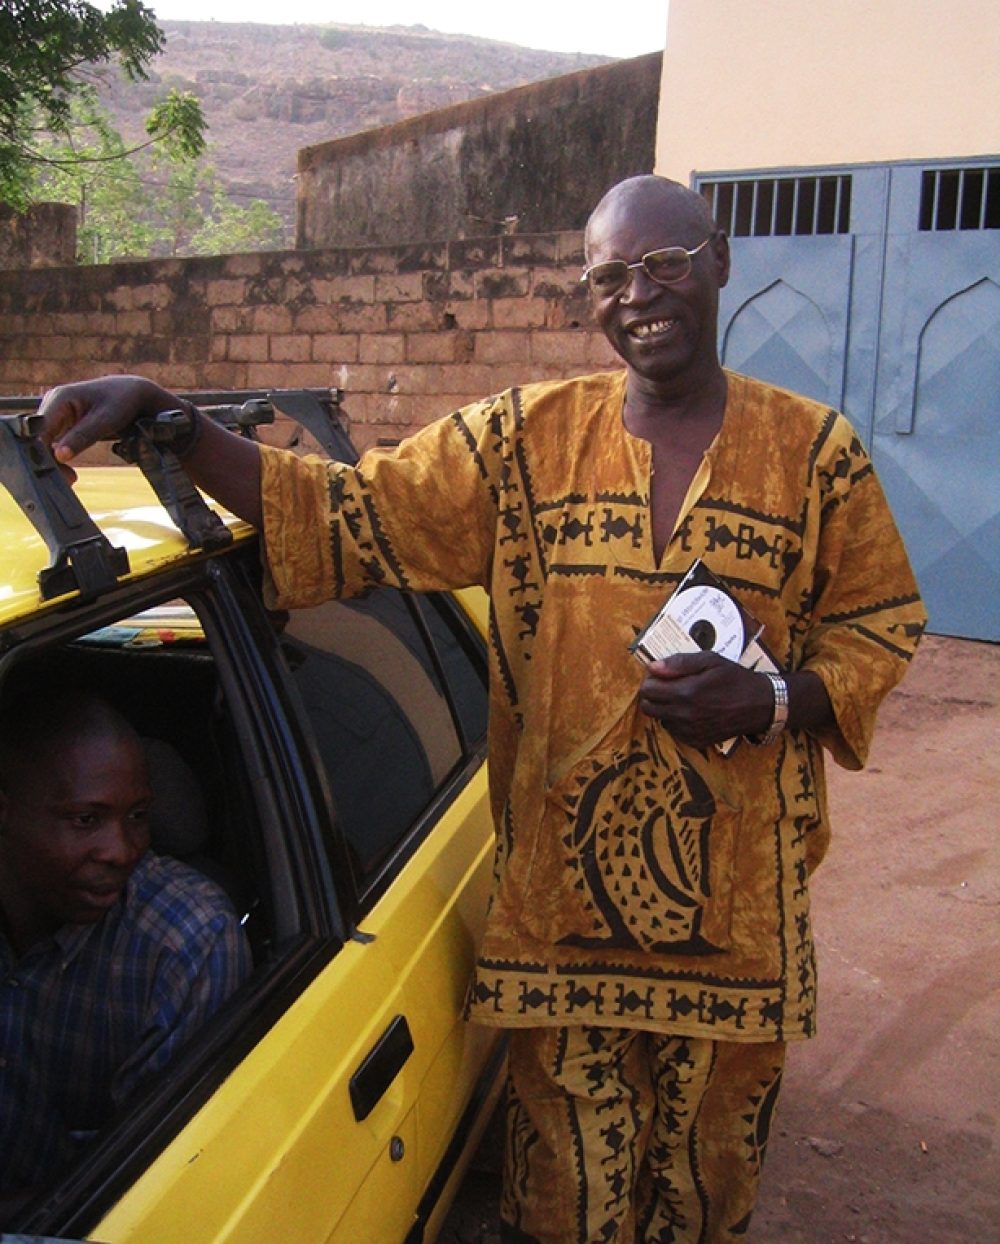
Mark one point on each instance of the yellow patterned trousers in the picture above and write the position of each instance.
(623, 1137)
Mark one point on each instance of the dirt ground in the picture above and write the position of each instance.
(888, 1128)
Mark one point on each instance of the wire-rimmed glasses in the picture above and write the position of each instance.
(666, 267)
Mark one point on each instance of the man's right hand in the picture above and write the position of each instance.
(79, 415)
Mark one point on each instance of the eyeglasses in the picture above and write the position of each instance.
(665, 267)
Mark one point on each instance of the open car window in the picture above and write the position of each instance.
(190, 675)
(315, 774)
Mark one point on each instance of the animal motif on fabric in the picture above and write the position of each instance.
(637, 845)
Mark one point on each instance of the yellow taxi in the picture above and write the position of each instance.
(339, 759)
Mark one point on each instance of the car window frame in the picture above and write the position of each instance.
(225, 591)
(236, 632)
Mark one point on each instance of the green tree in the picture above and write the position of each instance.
(227, 227)
(159, 200)
(50, 50)
(197, 216)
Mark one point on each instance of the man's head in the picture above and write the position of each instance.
(74, 803)
(661, 316)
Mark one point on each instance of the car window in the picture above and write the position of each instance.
(158, 666)
(190, 673)
(382, 699)
(462, 661)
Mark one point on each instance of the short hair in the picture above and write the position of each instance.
(38, 707)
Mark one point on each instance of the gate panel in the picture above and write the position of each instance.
(790, 330)
(885, 302)
(937, 428)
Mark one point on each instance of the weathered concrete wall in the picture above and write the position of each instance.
(409, 332)
(42, 237)
(533, 159)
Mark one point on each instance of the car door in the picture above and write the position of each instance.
(394, 687)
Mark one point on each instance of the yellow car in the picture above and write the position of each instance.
(339, 754)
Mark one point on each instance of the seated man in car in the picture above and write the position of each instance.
(111, 957)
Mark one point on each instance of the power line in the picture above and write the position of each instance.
(153, 183)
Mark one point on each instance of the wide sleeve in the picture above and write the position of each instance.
(419, 517)
(866, 613)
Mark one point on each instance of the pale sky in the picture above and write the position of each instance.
(584, 26)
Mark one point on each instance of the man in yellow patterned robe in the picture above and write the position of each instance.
(648, 941)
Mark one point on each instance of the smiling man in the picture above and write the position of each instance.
(648, 942)
(110, 957)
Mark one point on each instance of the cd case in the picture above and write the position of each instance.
(702, 615)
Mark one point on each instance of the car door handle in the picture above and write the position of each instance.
(380, 1067)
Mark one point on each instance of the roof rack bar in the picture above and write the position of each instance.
(318, 411)
(240, 417)
(148, 444)
(83, 559)
(200, 397)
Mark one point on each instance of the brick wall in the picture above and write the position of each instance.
(409, 332)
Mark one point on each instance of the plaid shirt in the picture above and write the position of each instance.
(94, 1011)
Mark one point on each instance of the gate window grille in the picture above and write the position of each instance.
(959, 198)
(781, 206)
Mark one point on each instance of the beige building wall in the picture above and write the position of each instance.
(754, 84)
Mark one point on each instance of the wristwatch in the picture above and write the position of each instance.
(780, 718)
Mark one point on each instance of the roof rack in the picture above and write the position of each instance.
(83, 559)
(148, 444)
(242, 410)
(318, 411)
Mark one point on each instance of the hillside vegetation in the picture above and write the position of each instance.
(267, 91)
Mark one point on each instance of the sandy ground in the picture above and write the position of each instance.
(888, 1129)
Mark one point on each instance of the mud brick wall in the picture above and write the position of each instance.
(42, 237)
(540, 155)
(408, 332)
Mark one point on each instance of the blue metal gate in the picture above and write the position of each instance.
(877, 289)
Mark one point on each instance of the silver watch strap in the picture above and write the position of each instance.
(780, 719)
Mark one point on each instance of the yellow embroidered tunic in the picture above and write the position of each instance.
(639, 883)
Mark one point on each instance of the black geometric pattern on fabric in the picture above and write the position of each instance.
(470, 441)
(617, 527)
(904, 654)
(506, 675)
(672, 1153)
(578, 571)
(532, 998)
(758, 1119)
(779, 884)
(374, 567)
(521, 1138)
(667, 579)
(746, 541)
(511, 522)
(618, 1121)
(823, 435)
(597, 990)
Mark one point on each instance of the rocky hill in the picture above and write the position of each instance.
(267, 91)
